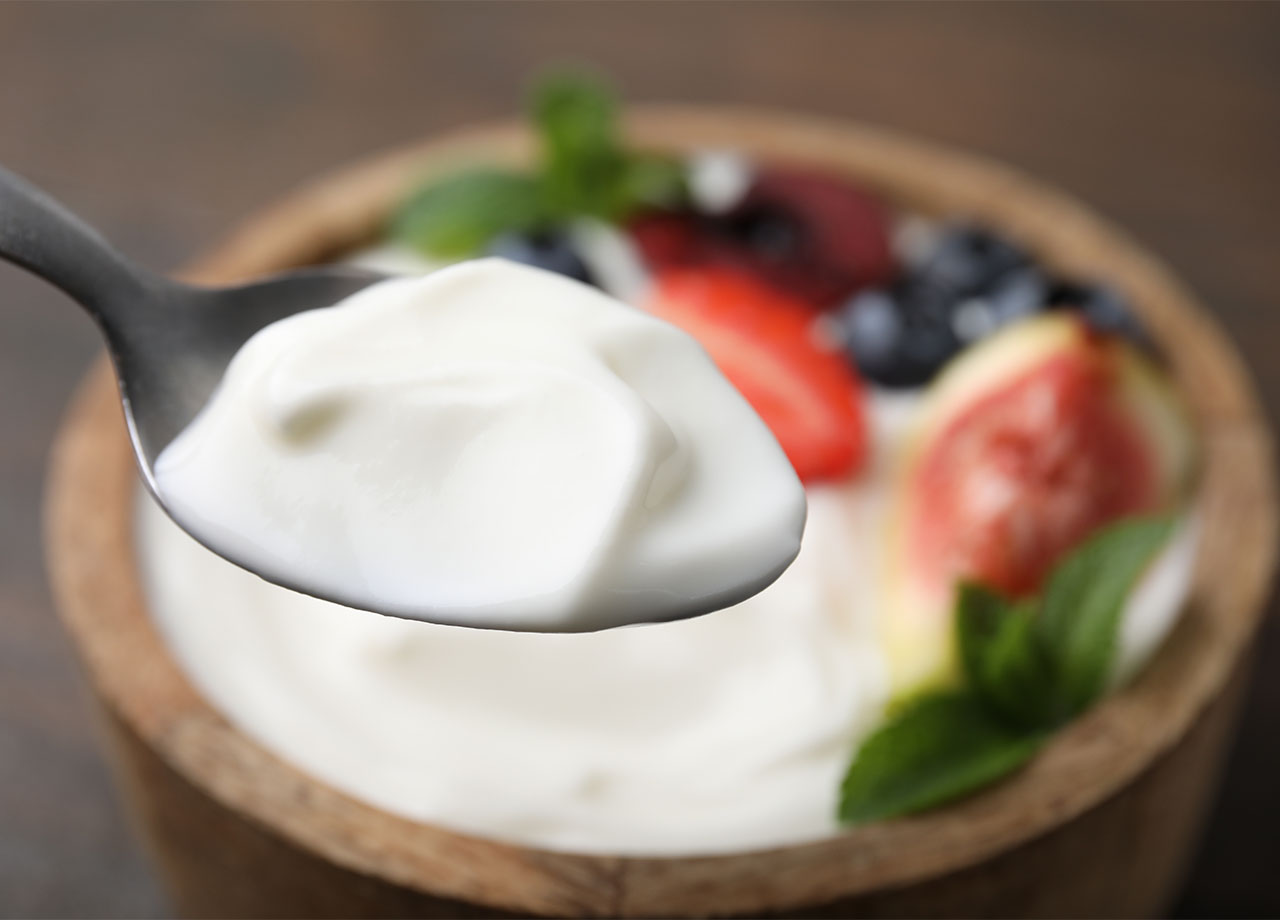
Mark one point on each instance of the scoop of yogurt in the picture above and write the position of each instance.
(489, 445)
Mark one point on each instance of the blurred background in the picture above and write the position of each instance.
(167, 124)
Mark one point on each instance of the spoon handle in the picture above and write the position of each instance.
(45, 238)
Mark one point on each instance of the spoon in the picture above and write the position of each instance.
(169, 342)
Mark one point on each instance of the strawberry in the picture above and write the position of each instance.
(764, 342)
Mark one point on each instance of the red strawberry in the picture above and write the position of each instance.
(812, 236)
(764, 343)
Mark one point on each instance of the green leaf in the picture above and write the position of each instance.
(1028, 668)
(1004, 661)
(937, 749)
(584, 171)
(457, 216)
(1080, 611)
(583, 165)
(577, 115)
(654, 181)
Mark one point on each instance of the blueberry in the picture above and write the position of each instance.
(1105, 309)
(896, 343)
(873, 329)
(971, 283)
(1019, 294)
(967, 260)
(548, 249)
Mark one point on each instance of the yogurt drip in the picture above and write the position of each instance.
(488, 445)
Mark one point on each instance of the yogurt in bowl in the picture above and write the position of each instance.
(494, 444)
(723, 733)
(205, 778)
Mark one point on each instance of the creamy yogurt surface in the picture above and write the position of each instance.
(722, 733)
(490, 445)
(717, 733)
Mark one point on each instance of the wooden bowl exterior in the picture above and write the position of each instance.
(1100, 824)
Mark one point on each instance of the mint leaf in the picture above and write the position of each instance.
(584, 172)
(1080, 611)
(937, 749)
(1042, 664)
(583, 165)
(585, 168)
(654, 181)
(459, 215)
(1003, 659)
(1028, 668)
(577, 115)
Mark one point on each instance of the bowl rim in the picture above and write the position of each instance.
(94, 571)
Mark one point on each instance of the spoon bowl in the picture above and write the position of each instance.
(171, 351)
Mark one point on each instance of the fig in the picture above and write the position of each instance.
(1024, 446)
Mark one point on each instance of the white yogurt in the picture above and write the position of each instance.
(723, 733)
(491, 445)
(717, 733)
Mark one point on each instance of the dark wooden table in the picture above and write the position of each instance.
(166, 124)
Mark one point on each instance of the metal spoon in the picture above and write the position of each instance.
(169, 342)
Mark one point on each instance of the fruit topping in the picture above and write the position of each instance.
(968, 260)
(811, 236)
(970, 283)
(1104, 308)
(675, 239)
(551, 250)
(1025, 446)
(816, 235)
(766, 345)
(897, 339)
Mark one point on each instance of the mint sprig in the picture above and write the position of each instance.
(455, 218)
(584, 170)
(1003, 661)
(935, 749)
(582, 160)
(1028, 668)
(1080, 615)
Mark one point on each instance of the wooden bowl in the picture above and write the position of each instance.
(1101, 824)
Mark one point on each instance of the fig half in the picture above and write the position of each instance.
(1025, 445)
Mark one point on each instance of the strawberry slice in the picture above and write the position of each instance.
(764, 342)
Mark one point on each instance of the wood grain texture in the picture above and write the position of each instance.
(1099, 775)
(1123, 856)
